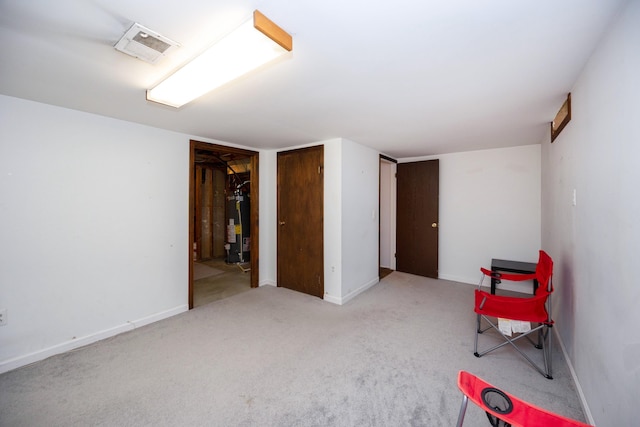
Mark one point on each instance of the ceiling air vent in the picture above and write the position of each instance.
(142, 43)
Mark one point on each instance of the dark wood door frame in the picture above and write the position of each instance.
(254, 191)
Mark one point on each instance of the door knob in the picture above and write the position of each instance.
(281, 222)
(434, 225)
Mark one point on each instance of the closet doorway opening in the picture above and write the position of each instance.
(223, 222)
(387, 216)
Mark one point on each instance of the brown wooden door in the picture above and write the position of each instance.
(417, 218)
(300, 220)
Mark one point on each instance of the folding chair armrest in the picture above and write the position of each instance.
(507, 276)
(522, 413)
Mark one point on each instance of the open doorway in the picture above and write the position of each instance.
(387, 216)
(223, 222)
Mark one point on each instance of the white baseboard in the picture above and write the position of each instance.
(267, 283)
(459, 279)
(352, 294)
(36, 356)
(524, 287)
(332, 299)
(583, 400)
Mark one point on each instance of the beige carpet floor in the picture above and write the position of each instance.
(274, 357)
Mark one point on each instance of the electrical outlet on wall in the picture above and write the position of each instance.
(3, 316)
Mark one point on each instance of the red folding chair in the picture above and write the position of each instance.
(504, 409)
(537, 309)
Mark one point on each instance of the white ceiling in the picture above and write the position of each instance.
(406, 77)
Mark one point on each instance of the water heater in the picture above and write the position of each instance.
(238, 227)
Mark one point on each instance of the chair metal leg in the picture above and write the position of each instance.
(542, 330)
(550, 340)
(547, 352)
(478, 331)
(463, 410)
(540, 344)
(543, 336)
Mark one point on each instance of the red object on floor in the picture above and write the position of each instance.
(537, 309)
(521, 413)
(528, 309)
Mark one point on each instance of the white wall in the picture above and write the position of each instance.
(596, 243)
(360, 223)
(94, 227)
(268, 221)
(333, 220)
(489, 208)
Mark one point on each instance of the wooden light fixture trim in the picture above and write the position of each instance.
(271, 30)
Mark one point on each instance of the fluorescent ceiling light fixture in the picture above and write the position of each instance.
(255, 43)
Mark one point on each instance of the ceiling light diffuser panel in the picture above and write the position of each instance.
(253, 44)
